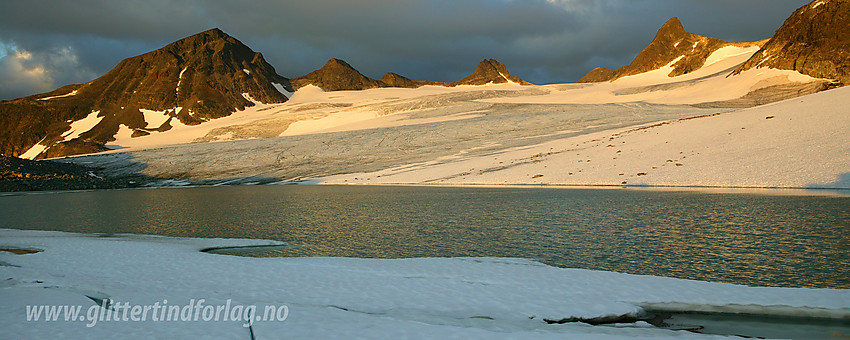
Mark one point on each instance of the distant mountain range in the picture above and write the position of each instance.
(211, 75)
(337, 75)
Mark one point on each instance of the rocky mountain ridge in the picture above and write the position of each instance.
(338, 75)
(814, 40)
(671, 42)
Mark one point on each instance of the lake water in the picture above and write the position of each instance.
(789, 241)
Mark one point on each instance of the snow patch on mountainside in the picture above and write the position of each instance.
(727, 52)
(155, 119)
(124, 133)
(180, 79)
(35, 150)
(60, 96)
(82, 126)
(184, 134)
(77, 128)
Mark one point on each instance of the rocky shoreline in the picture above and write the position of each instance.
(25, 175)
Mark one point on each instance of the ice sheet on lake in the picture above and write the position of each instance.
(465, 298)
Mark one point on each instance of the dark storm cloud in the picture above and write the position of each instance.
(47, 44)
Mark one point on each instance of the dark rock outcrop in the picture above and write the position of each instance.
(337, 75)
(814, 40)
(197, 78)
(670, 43)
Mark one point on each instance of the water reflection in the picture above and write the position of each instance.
(738, 238)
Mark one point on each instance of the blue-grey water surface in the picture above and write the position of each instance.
(790, 241)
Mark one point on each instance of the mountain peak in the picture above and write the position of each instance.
(215, 33)
(670, 42)
(814, 41)
(205, 73)
(191, 80)
(335, 63)
(212, 39)
(336, 75)
(672, 27)
(489, 64)
(490, 71)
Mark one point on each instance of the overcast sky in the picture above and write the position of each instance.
(48, 44)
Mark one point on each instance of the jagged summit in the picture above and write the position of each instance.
(337, 75)
(814, 40)
(192, 80)
(671, 41)
(490, 71)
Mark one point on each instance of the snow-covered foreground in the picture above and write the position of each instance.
(442, 298)
(801, 142)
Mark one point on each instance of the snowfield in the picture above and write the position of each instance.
(452, 298)
(797, 143)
